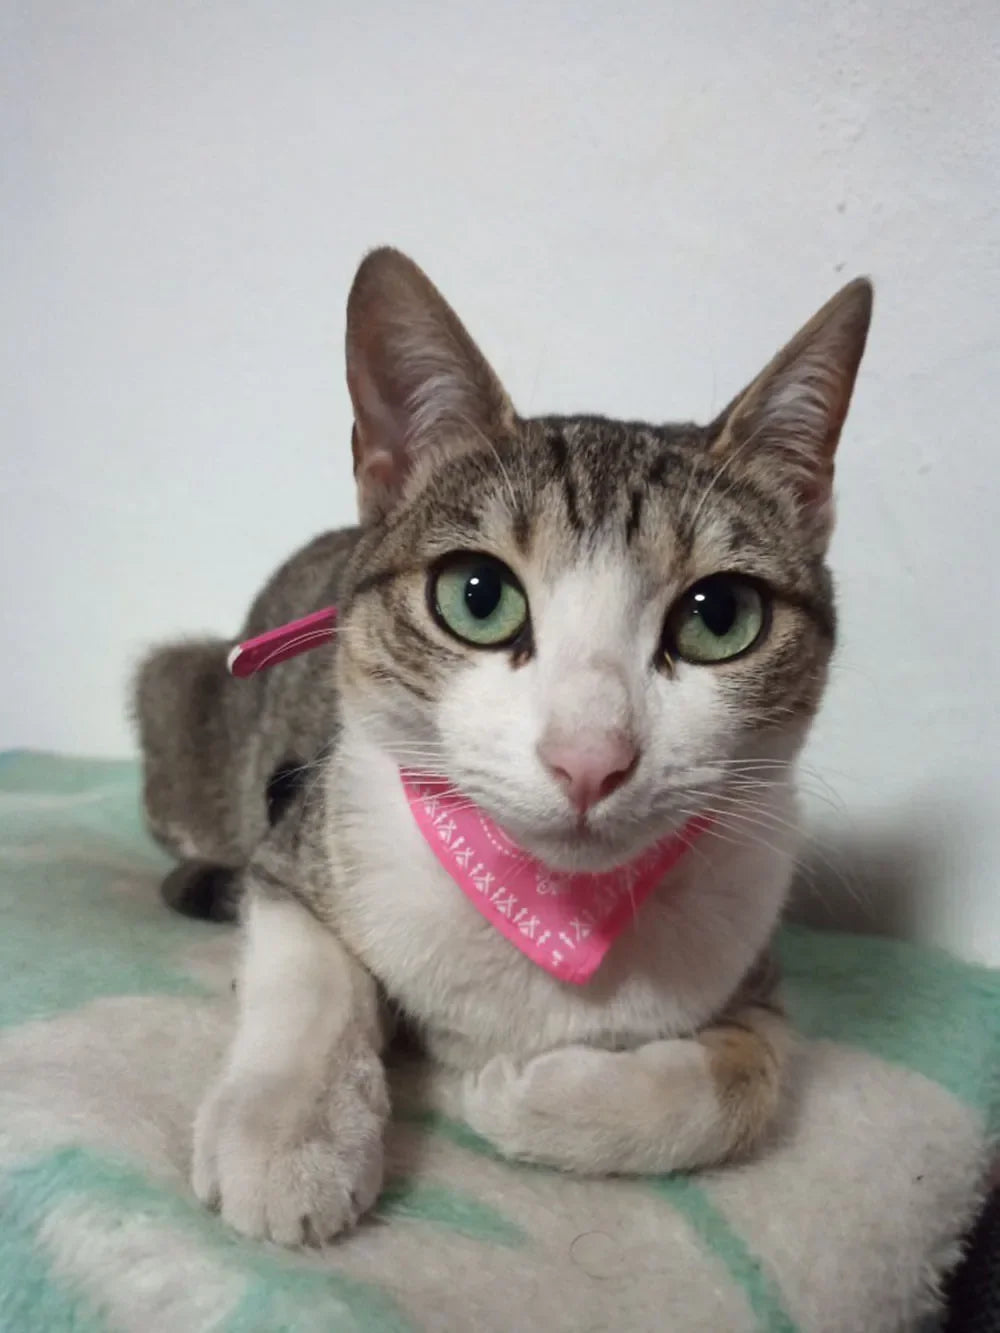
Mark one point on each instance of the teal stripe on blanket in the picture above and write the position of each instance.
(77, 802)
(914, 1007)
(33, 771)
(31, 1296)
(451, 1209)
(688, 1199)
(68, 938)
(443, 1127)
(78, 891)
(283, 1293)
(730, 1249)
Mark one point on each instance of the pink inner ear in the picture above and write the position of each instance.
(377, 468)
(412, 369)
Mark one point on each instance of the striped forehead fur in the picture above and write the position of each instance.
(591, 481)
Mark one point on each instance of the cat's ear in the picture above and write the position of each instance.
(785, 426)
(417, 380)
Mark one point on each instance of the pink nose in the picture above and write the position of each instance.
(589, 768)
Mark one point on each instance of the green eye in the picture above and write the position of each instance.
(479, 600)
(716, 620)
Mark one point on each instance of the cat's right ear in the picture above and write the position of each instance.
(417, 380)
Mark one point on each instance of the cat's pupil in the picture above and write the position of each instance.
(483, 592)
(717, 607)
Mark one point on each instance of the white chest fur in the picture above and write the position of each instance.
(475, 995)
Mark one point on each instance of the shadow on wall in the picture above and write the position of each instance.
(885, 878)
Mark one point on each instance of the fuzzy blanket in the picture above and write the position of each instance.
(113, 1013)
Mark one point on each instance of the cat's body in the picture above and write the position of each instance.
(586, 734)
(212, 744)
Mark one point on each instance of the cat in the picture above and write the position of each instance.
(593, 631)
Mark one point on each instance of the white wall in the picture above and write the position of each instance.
(631, 209)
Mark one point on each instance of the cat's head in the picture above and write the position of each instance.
(592, 628)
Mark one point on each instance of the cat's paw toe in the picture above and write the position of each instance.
(492, 1099)
(315, 1191)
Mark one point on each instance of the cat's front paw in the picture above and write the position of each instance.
(288, 1162)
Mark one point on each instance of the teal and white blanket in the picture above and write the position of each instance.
(113, 1013)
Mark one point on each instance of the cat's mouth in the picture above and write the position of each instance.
(574, 844)
(581, 845)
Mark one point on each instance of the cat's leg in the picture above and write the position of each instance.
(665, 1106)
(288, 1143)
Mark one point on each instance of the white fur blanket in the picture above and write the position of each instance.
(113, 1013)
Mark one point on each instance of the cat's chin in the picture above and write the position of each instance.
(588, 850)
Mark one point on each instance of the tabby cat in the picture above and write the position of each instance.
(591, 633)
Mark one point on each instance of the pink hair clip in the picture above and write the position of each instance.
(278, 645)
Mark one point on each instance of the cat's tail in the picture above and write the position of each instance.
(182, 705)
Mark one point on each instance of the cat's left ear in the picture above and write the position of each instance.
(785, 427)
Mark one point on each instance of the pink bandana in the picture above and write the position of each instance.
(562, 921)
